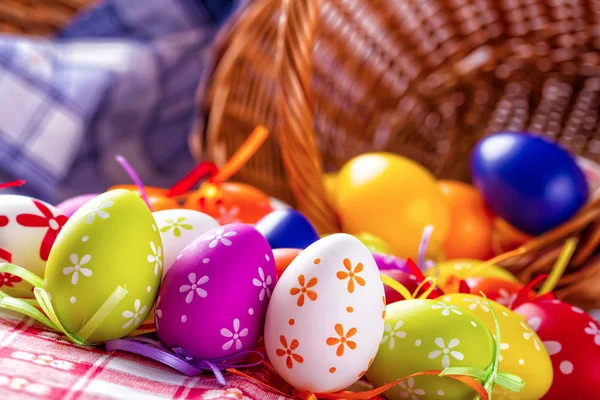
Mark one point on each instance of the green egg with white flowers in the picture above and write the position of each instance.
(110, 249)
(427, 335)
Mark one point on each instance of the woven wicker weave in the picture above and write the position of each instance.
(37, 17)
(426, 79)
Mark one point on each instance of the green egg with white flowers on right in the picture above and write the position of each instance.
(424, 335)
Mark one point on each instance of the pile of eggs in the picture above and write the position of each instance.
(217, 282)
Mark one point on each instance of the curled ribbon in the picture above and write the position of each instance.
(179, 359)
(48, 317)
(404, 292)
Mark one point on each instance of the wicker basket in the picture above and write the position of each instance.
(37, 17)
(426, 79)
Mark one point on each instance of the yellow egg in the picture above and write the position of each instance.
(393, 198)
(330, 180)
(449, 273)
(522, 352)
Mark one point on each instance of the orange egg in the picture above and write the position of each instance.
(230, 202)
(157, 197)
(283, 258)
(471, 225)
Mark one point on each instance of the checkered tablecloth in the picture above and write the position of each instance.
(37, 363)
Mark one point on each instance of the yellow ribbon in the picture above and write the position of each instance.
(49, 317)
(404, 292)
(559, 267)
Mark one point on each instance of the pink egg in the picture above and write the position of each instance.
(213, 300)
(69, 206)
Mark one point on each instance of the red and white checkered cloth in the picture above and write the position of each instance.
(38, 363)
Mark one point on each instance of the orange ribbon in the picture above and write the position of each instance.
(347, 395)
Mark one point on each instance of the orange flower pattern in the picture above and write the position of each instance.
(304, 290)
(342, 340)
(351, 274)
(288, 351)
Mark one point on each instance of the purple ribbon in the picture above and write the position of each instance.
(178, 358)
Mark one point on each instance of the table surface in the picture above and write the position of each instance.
(38, 363)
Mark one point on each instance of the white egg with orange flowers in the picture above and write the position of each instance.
(326, 316)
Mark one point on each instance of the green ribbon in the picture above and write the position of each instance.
(490, 376)
(48, 317)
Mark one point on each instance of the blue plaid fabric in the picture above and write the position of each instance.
(121, 79)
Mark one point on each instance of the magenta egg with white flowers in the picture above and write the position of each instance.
(213, 300)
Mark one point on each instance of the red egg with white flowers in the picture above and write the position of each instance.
(501, 291)
(572, 339)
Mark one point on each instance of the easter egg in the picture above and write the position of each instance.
(213, 300)
(111, 241)
(387, 261)
(521, 352)
(324, 322)
(501, 291)
(393, 198)
(471, 222)
(572, 339)
(449, 273)
(156, 196)
(287, 229)
(230, 202)
(283, 258)
(329, 181)
(178, 228)
(69, 206)
(374, 243)
(424, 335)
(28, 230)
(529, 181)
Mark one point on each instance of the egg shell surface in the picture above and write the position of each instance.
(423, 335)
(178, 228)
(287, 228)
(532, 183)
(109, 242)
(213, 300)
(572, 338)
(28, 229)
(521, 351)
(325, 319)
(69, 206)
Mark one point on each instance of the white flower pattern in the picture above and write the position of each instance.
(228, 216)
(529, 334)
(477, 302)
(390, 334)
(43, 360)
(264, 284)
(593, 330)
(446, 351)
(220, 236)
(156, 257)
(77, 268)
(505, 298)
(446, 308)
(23, 384)
(99, 211)
(235, 336)
(194, 287)
(135, 315)
(409, 390)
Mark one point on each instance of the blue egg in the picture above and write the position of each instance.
(532, 183)
(287, 229)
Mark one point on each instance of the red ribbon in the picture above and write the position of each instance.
(186, 183)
